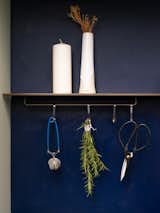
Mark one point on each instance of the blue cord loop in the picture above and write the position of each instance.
(52, 120)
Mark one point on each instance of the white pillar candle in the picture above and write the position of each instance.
(62, 68)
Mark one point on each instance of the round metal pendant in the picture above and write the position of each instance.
(54, 163)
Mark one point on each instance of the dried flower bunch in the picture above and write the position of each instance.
(86, 22)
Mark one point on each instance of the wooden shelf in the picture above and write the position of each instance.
(82, 95)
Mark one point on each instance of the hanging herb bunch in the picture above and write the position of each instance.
(91, 163)
(86, 22)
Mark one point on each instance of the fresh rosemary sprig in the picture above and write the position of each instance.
(91, 163)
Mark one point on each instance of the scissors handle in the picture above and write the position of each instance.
(148, 137)
(126, 125)
(133, 137)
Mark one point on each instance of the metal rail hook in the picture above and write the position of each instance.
(131, 112)
(114, 114)
(88, 109)
(54, 110)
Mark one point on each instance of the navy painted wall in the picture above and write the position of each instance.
(127, 49)
(127, 45)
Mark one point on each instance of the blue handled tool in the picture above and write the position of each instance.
(54, 163)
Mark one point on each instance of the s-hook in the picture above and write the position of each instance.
(114, 114)
(89, 126)
(54, 111)
(54, 163)
(88, 110)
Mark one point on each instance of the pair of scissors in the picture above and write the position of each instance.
(133, 144)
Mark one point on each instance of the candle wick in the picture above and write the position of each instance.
(60, 40)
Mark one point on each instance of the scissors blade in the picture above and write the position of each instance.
(124, 168)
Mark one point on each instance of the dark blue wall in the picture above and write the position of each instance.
(127, 48)
(127, 45)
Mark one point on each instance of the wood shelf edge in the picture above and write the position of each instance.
(81, 95)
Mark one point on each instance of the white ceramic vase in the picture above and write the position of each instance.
(87, 76)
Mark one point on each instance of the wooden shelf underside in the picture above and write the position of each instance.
(76, 99)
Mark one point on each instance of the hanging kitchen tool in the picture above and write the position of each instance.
(133, 144)
(54, 163)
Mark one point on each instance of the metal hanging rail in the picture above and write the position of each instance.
(79, 103)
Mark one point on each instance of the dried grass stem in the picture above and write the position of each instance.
(87, 23)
